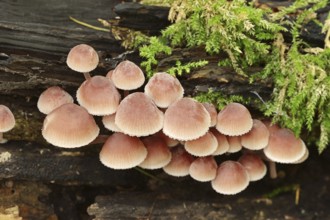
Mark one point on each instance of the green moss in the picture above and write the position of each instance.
(253, 37)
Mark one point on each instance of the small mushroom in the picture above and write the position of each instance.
(257, 138)
(137, 115)
(255, 167)
(7, 122)
(203, 169)
(180, 162)
(202, 146)
(52, 98)
(223, 145)
(83, 58)
(234, 144)
(69, 126)
(231, 178)
(99, 96)
(186, 119)
(121, 151)
(163, 89)
(234, 119)
(212, 111)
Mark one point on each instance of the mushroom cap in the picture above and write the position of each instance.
(7, 119)
(159, 155)
(304, 157)
(202, 146)
(170, 142)
(255, 167)
(203, 169)
(137, 115)
(180, 162)
(231, 178)
(257, 138)
(212, 111)
(127, 76)
(52, 98)
(121, 151)
(234, 144)
(223, 145)
(82, 58)
(186, 120)
(284, 147)
(109, 123)
(234, 119)
(69, 126)
(164, 89)
(99, 96)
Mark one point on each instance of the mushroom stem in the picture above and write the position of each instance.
(2, 140)
(272, 169)
(87, 75)
(100, 139)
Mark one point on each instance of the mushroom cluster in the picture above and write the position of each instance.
(159, 128)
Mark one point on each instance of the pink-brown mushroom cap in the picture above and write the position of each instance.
(234, 119)
(234, 144)
(255, 167)
(7, 119)
(212, 111)
(109, 123)
(52, 98)
(202, 146)
(121, 151)
(231, 178)
(99, 96)
(180, 162)
(257, 138)
(137, 115)
(170, 142)
(159, 155)
(82, 58)
(127, 76)
(284, 147)
(223, 145)
(163, 89)
(203, 169)
(186, 119)
(69, 126)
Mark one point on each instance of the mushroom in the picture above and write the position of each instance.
(223, 145)
(121, 151)
(170, 142)
(83, 58)
(69, 126)
(163, 89)
(127, 76)
(234, 119)
(158, 155)
(180, 162)
(203, 169)
(186, 119)
(52, 98)
(255, 167)
(109, 123)
(7, 122)
(231, 178)
(99, 96)
(234, 144)
(212, 111)
(137, 115)
(284, 147)
(257, 138)
(202, 146)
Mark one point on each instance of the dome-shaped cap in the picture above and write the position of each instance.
(109, 122)
(52, 98)
(180, 162)
(223, 145)
(137, 115)
(121, 151)
(186, 119)
(231, 178)
(284, 147)
(257, 138)
(163, 89)
(235, 119)
(69, 126)
(234, 144)
(82, 58)
(203, 169)
(212, 111)
(127, 76)
(255, 167)
(7, 119)
(159, 154)
(202, 146)
(99, 96)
